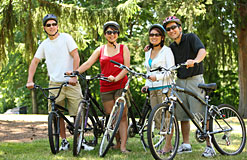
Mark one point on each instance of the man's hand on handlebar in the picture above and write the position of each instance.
(30, 85)
(73, 81)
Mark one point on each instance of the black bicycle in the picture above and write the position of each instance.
(226, 128)
(138, 126)
(88, 125)
(54, 117)
(116, 113)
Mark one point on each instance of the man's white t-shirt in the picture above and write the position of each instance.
(57, 56)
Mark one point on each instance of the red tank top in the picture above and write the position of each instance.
(108, 68)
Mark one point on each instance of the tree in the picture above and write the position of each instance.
(241, 23)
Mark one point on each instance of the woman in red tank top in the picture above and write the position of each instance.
(110, 91)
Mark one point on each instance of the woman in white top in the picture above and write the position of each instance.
(158, 55)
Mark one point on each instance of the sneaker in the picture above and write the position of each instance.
(64, 145)
(86, 147)
(184, 148)
(209, 152)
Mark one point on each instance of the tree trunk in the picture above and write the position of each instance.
(242, 58)
(34, 102)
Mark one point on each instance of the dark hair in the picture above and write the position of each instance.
(112, 24)
(114, 28)
(162, 36)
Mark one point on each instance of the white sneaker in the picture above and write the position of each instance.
(184, 148)
(86, 147)
(64, 145)
(209, 152)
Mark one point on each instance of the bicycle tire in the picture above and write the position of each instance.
(79, 129)
(145, 128)
(111, 128)
(231, 142)
(90, 132)
(53, 132)
(157, 134)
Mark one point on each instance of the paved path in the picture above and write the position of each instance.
(26, 117)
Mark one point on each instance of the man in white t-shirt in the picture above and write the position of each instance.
(60, 53)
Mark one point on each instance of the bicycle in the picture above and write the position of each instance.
(226, 131)
(140, 126)
(116, 113)
(83, 128)
(54, 117)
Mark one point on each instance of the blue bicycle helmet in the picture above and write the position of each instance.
(162, 29)
(49, 17)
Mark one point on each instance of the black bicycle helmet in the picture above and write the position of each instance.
(171, 19)
(162, 29)
(49, 17)
(111, 23)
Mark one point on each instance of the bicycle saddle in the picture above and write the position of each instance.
(210, 86)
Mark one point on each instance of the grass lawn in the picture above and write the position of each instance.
(40, 150)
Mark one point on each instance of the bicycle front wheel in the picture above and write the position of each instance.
(53, 132)
(79, 129)
(159, 138)
(230, 133)
(111, 128)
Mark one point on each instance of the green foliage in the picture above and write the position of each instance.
(13, 78)
(21, 32)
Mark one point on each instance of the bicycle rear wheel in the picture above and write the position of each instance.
(53, 132)
(79, 129)
(157, 133)
(230, 136)
(111, 128)
(145, 128)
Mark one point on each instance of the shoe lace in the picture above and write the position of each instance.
(208, 150)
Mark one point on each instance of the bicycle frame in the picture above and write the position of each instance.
(176, 98)
(146, 106)
(89, 100)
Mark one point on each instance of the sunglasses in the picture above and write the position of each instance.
(172, 27)
(154, 34)
(51, 24)
(110, 32)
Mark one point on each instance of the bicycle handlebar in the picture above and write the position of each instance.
(121, 66)
(87, 77)
(47, 89)
(175, 67)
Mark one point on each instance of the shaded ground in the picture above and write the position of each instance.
(21, 131)
(24, 127)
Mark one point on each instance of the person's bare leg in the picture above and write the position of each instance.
(168, 145)
(62, 129)
(108, 107)
(207, 139)
(123, 130)
(185, 127)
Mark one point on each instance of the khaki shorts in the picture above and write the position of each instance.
(156, 97)
(190, 102)
(73, 95)
(111, 95)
